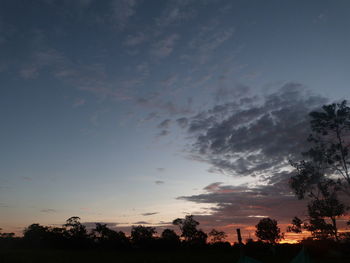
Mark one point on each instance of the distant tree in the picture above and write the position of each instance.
(267, 230)
(107, 237)
(169, 236)
(142, 235)
(188, 226)
(190, 233)
(217, 236)
(199, 238)
(296, 226)
(102, 232)
(75, 228)
(36, 235)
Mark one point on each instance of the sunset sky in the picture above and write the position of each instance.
(139, 112)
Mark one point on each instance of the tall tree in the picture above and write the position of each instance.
(323, 175)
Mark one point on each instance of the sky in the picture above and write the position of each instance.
(140, 112)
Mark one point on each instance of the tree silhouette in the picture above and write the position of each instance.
(325, 171)
(169, 236)
(328, 156)
(75, 228)
(36, 235)
(190, 233)
(267, 230)
(142, 235)
(217, 236)
(107, 237)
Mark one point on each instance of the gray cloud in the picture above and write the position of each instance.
(48, 210)
(134, 40)
(142, 223)
(164, 124)
(163, 133)
(254, 138)
(166, 106)
(111, 225)
(244, 205)
(165, 46)
(150, 214)
(176, 12)
(182, 122)
(159, 182)
(122, 11)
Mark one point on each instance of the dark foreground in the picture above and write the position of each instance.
(212, 256)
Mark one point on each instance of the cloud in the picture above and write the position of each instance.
(164, 124)
(243, 204)
(176, 12)
(163, 133)
(159, 182)
(182, 122)
(150, 214)
(160, 169)
(167, 106)
(112, 225)
(122, 10)
(164, 47)
(142, 223)
(209, 38)
(26, 178)
(134, 40)
(254, 138)
(29, 72)
(79, 102)
(48, 210)
(3, 205)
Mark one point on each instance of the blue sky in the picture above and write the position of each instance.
(98, 99)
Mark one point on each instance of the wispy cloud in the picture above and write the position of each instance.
(134, 40)
(150, 213)
(79, 102)
(48, 210)
(122, 10)
(165, 46)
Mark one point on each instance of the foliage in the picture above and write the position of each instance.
(190, 233)
(324, 174)
(170, 237)
(217, 236)
(267, 230)
(142, 235)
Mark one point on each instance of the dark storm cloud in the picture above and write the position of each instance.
(252, 137)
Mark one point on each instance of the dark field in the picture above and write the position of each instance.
(86, 256)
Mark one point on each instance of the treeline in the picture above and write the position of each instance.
(74, 235)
